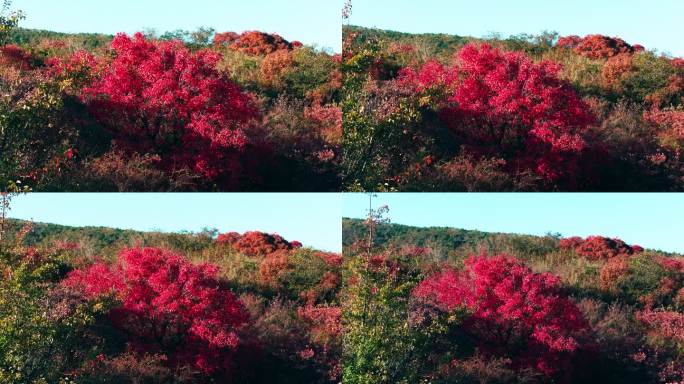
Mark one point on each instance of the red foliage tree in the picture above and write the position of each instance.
(168, 306)
(255, 243)
(599, 247)
(254, 42)
(597, 46)
(514, 312)
(325, 320)
(502, 104)
(325, 328)
(81, 65)
(159, 97)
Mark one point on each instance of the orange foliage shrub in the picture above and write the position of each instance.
(327, 285)
(254, 42)
(327, 319)
(612, 272)
(274, 66)
(597, 46)
(598, 247)
(273, 266)
(615, 69)
(257, 243)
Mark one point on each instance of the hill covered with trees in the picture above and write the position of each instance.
(102, 305)
(444, 305)
(200, 110)
(435, 112)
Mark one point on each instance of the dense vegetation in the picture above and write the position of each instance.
(442, 305)
(535, 113)
(100, 305)
(181, 111)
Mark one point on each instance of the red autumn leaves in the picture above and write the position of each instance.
(159, 97)
(614, 252)
(619, 66)
(599, 247)
(165, 305)
(254, 42)
(521, 113)
(257, 243)
(597, 46)
(512, 311)
(274, 254)
(147, 113)
(669, 124)
(502, 103)
(168, 305)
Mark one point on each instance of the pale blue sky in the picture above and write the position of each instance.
(656, 24)
(313, 219)
(650, 220)
(309, 21)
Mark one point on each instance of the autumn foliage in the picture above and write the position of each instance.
(254, 42)
(169, 306)
(599, 247)
(256, 243)
(14, 56)
(151, 112)
(597, 46)
(664, 324)
(669, 124)
(573, 310)
(613, 271)
(185, 308)
(502, 103)
(522, 113)
(158, 97)
(513, 312)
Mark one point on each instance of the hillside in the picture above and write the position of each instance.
(103, 305)
(449, 241)
(33, 37)
(458, 306)
(592, 113)
(92, 112)
(430, 44)
(104, 241)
